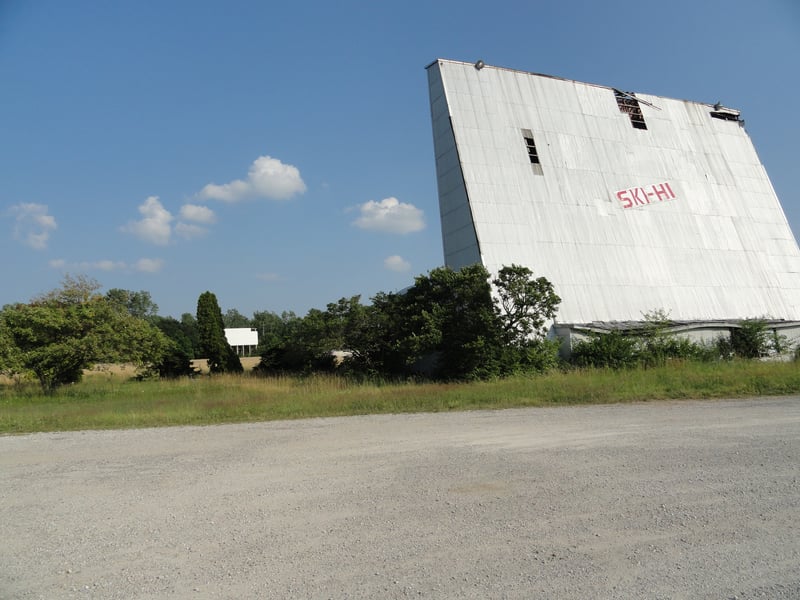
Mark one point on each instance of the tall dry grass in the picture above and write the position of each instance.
(111, 401)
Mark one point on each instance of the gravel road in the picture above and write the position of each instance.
(652, 500)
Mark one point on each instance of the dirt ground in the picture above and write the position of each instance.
(652, 500)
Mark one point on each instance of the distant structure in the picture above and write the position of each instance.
(243, 340)
(628, 203)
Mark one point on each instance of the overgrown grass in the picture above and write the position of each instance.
(110, 403)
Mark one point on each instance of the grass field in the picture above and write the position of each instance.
(109, 399)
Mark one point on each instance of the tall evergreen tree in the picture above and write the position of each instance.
(211, 333)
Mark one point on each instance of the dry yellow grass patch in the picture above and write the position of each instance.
(248, 362)
(124, 371)
(111, 371)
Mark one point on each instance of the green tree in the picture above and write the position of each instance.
(452, 318)
(10, 360)
(375, 337)
(233, 318)
(525, 304)
(306, 344)
(343, 322)
(445, 326)
(64, 331)
(174, 330)
(211, 336)
(189, 328)
(303, 346)
(139, 304)
(73, 290)
(177, 362)
(271, 327)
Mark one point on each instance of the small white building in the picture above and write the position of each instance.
(243, 340)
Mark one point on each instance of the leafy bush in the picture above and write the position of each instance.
(537, 356)
(750, 339)
(780, 343)
(656, 352)
(611, 350)
(651, 346)
(176, 363)
(724, 347)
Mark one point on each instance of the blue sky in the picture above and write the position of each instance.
(281, 155)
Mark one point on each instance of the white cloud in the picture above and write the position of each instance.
(88, 265)
(107, 265)
(189, 231)
(143, 265)
(397, 263)
(267, 178)
(33, 225)
(198, 214)
(390, 216)
(156, 226)
(148, 265)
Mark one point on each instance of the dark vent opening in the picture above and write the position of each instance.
(629, 105)
(533, 155)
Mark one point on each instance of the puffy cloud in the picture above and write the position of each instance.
(155, 226)
(390, 216)
(33, 224)
(189, 230)
(198, 214)
(267, 178)
(143, 265)
(397, 263)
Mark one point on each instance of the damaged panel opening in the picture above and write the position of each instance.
(533, 155)
(629, 105)
(726, 114)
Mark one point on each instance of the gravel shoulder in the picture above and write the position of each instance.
(651, 500)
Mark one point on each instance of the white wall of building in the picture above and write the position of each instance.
(679, 217)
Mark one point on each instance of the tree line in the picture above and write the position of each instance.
(447, 325)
